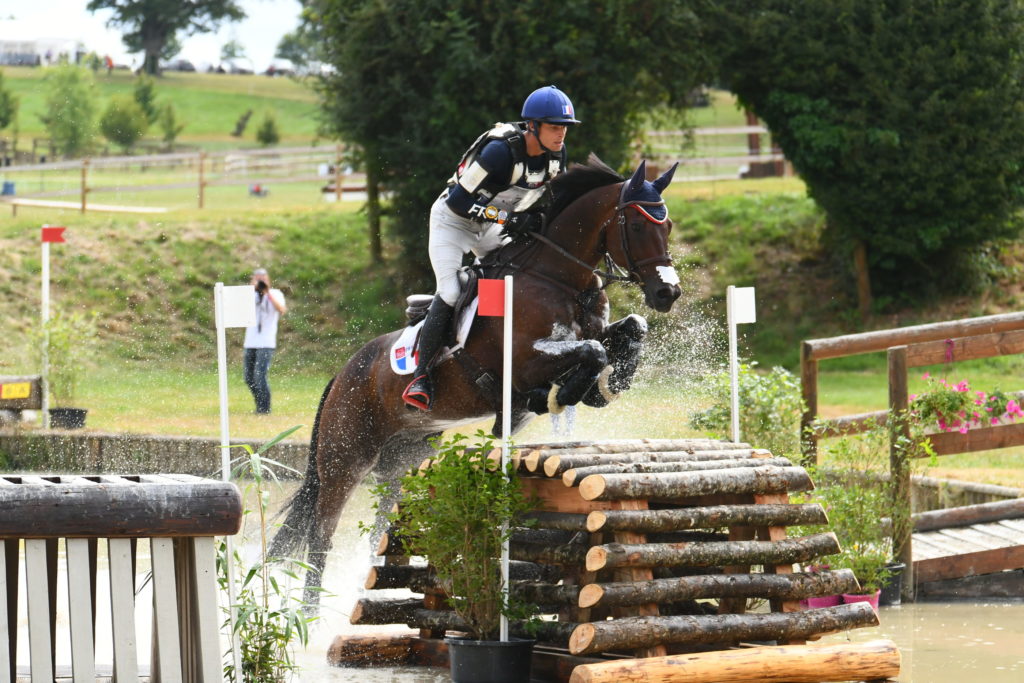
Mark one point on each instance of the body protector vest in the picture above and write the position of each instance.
(527, 181)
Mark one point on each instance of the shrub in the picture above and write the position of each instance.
(167, 120)
(71, 340)
(267, 134)
(69, 108)
(145, 96)
(8, 104)
(124, 122)
(770, 409)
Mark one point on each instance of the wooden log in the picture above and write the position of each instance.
(421, 579)
(636, 632)
(969, 514)
(390, 544)
(536, 457)
(668, 487)
(570, 554)
(873, 660)
(571, 476)
(384, 610)
(374, 650)
(785, 586)
(566, 521)
(545, 593)
(648, 521)
(786, 551)
(554, 464)
(105, 506)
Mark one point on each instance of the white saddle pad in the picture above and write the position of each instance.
(404, 356)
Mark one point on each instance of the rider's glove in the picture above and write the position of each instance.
(521, 223)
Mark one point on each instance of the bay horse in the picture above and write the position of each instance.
(565, 351)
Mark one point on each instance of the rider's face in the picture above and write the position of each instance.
(551, 135)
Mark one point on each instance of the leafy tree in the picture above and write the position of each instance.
(300, 47)
(145, 96)
(123, 122)
(69, 108)
(167, 119)
(232, 50)
(151, 24)
(906, 119)
(267, 133)
(415, 81)
(8, 104)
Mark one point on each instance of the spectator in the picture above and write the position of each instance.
(261, 338)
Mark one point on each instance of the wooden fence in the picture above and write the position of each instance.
(177, 515)
(909, 347)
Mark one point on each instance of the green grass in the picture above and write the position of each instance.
(209, 104)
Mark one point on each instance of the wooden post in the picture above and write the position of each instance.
(85, 186)
(899, 436)
(202, 178)
(337, 173)
(809, 392)
(860, 262)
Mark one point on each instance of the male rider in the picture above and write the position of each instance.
(487, 199)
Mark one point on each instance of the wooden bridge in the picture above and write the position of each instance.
(970, 551)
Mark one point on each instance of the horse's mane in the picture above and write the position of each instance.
(577, 181)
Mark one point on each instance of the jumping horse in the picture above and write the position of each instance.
(565, 351)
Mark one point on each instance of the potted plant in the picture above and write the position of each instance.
(457, 514)
(70, 339)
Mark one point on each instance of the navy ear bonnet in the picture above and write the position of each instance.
(646, 195)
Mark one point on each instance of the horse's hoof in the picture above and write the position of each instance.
(554, 407)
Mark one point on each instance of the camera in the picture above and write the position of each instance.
(261, 286)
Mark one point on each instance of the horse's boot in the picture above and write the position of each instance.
(433, 335)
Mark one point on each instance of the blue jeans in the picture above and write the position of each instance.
(257, 365)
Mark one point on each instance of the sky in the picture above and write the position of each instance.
(259, 32)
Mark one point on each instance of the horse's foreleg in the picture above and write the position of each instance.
(590, 359)
(623, 340)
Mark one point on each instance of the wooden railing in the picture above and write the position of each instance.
(908, 347)
(178, 514)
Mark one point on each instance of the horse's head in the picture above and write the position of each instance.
(638, 238)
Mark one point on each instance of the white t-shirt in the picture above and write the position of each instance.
(263, 335)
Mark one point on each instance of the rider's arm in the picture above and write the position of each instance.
(493, 166)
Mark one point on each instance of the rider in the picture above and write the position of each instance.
(488, 198)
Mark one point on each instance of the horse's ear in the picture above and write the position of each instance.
(665, 178)
(636, 182)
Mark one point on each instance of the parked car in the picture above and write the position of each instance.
(179, 65)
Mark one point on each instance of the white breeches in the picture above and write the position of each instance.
(451, 236)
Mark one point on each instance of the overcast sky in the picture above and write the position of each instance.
(259, 32)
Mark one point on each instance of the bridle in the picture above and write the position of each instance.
(613, 272)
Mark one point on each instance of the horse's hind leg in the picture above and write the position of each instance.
(624, 340)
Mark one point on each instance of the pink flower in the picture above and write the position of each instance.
(926, 375)
(962, 386)
(913, 397)
(963, 429)
(995, 420)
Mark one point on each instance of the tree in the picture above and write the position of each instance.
(145, 95)
(299, 47)
(232, 50)
(415, 81)
(167, 119)
(8, 104)
(69, 108)
(151, 24)
(906, 119)
(267, 133)
(123, 122)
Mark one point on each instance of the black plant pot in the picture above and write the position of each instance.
(490, 661)
(890, 594)
(67, 418)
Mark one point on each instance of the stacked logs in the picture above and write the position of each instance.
(649, 547)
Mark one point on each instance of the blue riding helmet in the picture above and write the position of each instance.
(549, 105)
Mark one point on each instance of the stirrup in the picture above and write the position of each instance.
(419, 397)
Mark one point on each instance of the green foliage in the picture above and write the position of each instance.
(8, 104)
(269, 617)
(167, 120)
(770, 409)
(144, 93)
(232, 50)
(415, 81)
(123, 122)
(455, 513)
(267, 133)
(906, 119)
(70, 108)
(151, 25)
(70, 339)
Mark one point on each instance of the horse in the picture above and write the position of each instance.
(565, 350)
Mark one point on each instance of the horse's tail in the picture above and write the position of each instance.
(293, 536)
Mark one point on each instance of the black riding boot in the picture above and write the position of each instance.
(433, 335)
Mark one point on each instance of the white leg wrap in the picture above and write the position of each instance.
(602, 384)
(553, 407)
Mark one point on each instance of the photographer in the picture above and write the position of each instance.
(261, 338)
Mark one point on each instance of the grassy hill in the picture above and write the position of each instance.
(208, 104)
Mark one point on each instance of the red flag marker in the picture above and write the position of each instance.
(53, 234)
(492, 297)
